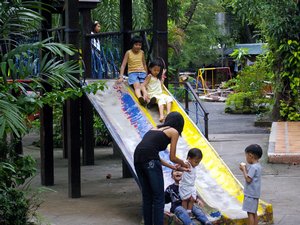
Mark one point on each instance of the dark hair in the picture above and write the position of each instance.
(175, 120)
(94, 24)
(195, 153)
(157, 62)
(136, 39)
(254, 149)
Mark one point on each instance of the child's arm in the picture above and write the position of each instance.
(163, 76)
(174, 139)
(245, 173)
(171, 166)
(168, 195)
(123, 66)
(144, 62)
(146, 81)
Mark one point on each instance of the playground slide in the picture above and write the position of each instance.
(127, 122)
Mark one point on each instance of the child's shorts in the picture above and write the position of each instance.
(163, 99)
(250, 204)
(136, 77)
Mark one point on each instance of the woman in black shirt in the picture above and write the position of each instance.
(148, 165)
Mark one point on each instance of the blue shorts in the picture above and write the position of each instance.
(250, 204)
(136, 77)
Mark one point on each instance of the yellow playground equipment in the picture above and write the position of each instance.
(204, 77)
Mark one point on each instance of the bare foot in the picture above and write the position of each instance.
(161, 119)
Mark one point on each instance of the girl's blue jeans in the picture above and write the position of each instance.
(152, 183)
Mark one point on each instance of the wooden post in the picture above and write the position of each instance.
(125, 24)
(46, 119)
(87, 114)
(86, 42)
(88, 140)
(160, 31)
(73, 106)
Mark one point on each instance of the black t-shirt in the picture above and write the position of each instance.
(172, 195)
(152, 143)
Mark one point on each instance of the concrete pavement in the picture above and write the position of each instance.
(117, 201)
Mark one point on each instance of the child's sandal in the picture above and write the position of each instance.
(142, 101)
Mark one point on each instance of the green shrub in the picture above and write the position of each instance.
(102, 136)
(250, 87)
(247, 103)
(178, 91)
(16, 206)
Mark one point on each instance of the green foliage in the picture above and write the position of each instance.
(193, 40)
(250, 87)
(19, 99)
(108, 14)
(102, 136)
(18, 16)
(290, 103)
(278, 23)
(240, 102)
(10, 116)
(178, 91)
(246, 103)
(239, 54)
(16, 205)
(16, 170)
(192, 28)
(56, 99)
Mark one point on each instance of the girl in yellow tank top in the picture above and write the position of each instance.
(135, 59)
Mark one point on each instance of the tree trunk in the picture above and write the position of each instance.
(189, 14)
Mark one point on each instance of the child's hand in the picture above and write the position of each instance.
(199, 202)
(177, 167)
(121, 79)
(183, 169)
(168, 213)
(164, 72)
(186, 165)
(242, 166)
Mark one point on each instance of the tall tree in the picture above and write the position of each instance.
(278, 22)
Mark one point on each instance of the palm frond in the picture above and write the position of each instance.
(11, 119)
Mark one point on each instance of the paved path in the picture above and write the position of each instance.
(284, 146)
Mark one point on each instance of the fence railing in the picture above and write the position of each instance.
(192, 104)
(106, 52)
